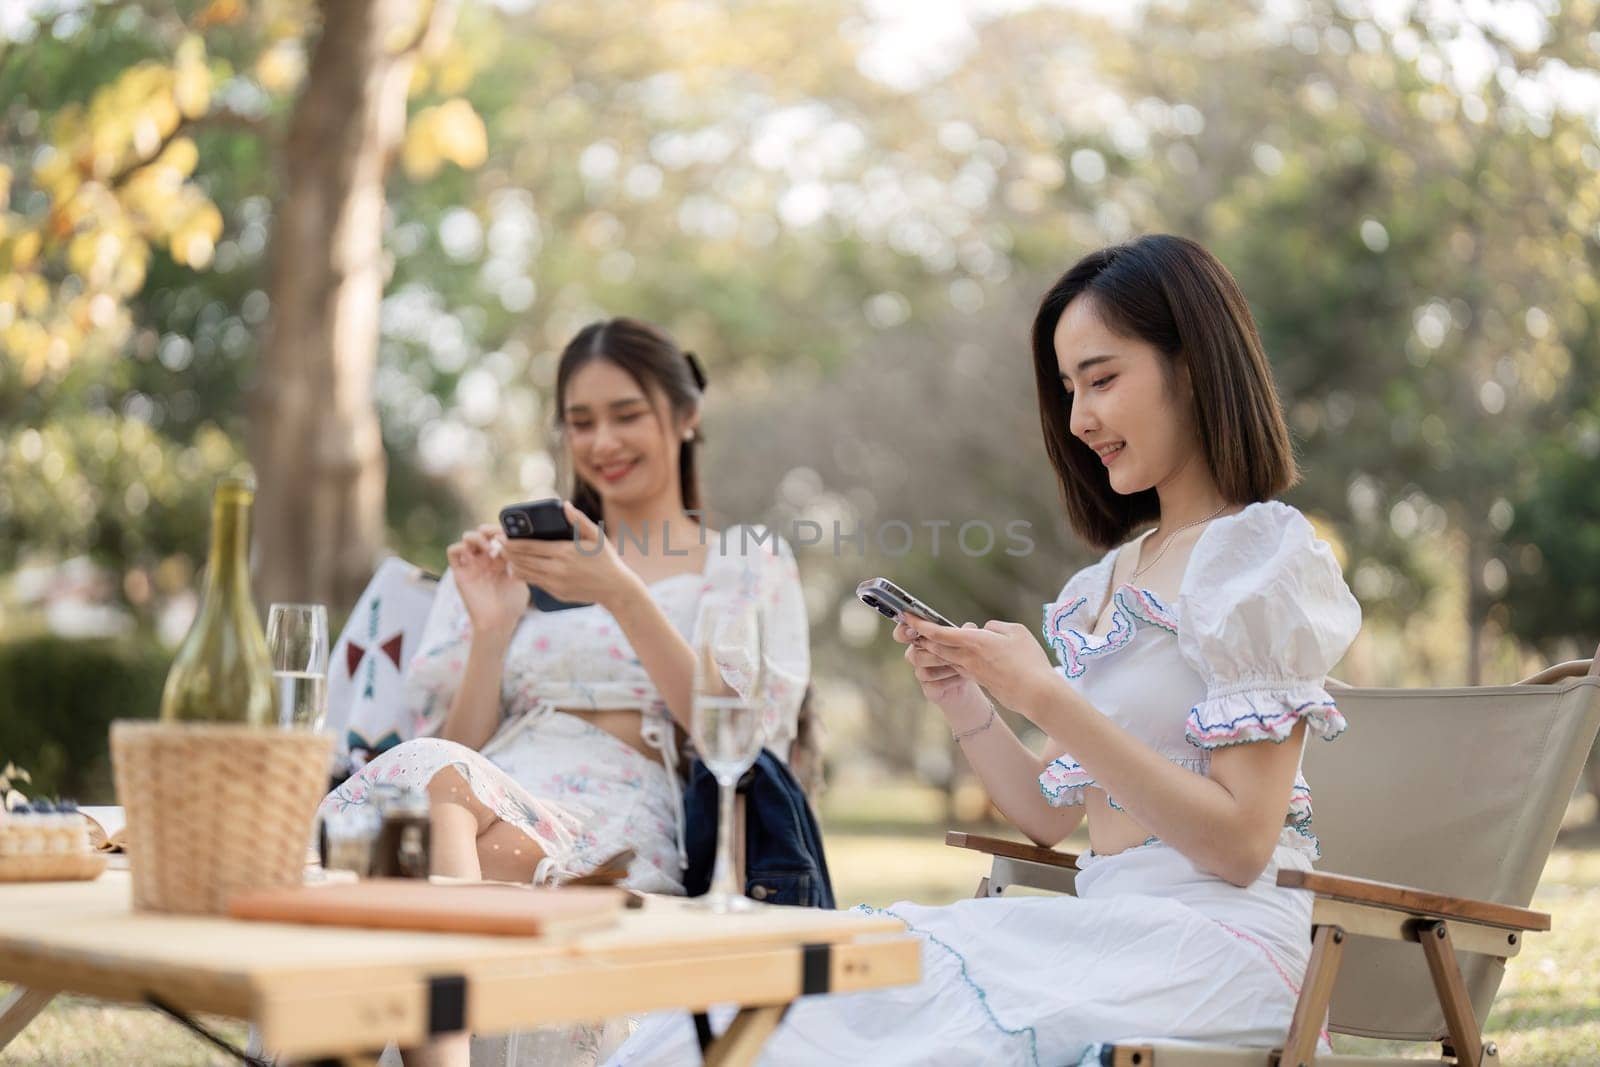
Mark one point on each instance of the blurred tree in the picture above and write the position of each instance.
(1408, 199)
(1408, 236)
(317, 446)
(106, 111)
(1554, 547)
(153, 395)
(1412, 210)
(109, 182)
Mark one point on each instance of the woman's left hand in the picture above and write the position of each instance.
(586, 570)
(1003, 657)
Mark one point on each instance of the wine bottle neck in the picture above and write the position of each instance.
(228, 566)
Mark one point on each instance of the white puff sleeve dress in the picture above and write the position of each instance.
(581, 794)
(1151, 946)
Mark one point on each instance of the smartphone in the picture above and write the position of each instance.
(890, 601)
(540, 520)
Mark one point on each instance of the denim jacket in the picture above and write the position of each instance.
(784, 863)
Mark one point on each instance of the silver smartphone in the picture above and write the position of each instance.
(890, 601)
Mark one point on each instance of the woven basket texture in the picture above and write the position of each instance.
(212, 809)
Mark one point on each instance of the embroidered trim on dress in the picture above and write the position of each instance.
(1130, 605)
(1299, 820)
(1294, 987)
(1062, 782)
(1256, 725)
(983, 996)
(1088, 857)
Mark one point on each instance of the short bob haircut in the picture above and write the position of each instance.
(1174, 295)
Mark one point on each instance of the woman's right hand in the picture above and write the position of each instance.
(494, 599)
(957, 695)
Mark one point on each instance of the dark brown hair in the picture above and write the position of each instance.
(1174, 295)
(655, 362)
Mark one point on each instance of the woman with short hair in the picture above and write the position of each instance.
(1189, 674)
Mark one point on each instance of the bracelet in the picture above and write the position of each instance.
(964, 734)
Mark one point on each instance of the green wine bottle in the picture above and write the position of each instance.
(222, 673)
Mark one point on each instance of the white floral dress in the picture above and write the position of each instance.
(1152, 946)
(581, 794)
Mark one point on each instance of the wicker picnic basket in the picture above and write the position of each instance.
(212, 809)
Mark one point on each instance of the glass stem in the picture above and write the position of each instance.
(722, 880)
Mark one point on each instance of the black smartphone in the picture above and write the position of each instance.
(540, 520)
(890, 601)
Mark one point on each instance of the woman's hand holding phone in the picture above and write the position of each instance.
(494, 599)
(956, 694)
(587, 570)
(1002, 657)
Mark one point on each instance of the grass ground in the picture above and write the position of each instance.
(1547, 1013)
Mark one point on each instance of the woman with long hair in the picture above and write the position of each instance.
(1190, 670)
(545, 735)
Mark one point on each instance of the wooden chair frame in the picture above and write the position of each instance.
(1342, 907)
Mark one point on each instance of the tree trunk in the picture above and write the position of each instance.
(315, 439)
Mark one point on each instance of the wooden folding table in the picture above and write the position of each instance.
(335, 994)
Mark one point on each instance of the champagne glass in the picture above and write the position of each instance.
(726, 721)
(297, 641)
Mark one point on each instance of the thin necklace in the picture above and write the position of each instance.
(1172, 537)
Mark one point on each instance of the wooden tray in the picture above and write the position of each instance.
(407, 904)
(47, 868)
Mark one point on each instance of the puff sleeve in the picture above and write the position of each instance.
(1266, 614)
(753, 562)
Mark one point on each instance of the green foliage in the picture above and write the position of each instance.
(1421, 255)
(52, 488)
(57, 701)
(1554, 548)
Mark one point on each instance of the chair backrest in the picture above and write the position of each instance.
(1459, 791)
(366, 668)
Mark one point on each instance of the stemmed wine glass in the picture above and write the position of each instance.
(297, 641)
(729, 672)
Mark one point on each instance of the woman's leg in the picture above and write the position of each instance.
(467, 840)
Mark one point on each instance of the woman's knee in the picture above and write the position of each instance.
(449, 787)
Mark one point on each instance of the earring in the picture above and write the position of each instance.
(688, 435)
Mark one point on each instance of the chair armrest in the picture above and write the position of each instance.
(1573, 668)
(1013, 850)
(1414, 901)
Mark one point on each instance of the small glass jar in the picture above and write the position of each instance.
(403, 841)
(349, 839)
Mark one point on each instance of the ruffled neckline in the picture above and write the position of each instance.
(1097, 576)
(1132, 607)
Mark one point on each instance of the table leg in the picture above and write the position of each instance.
(744, 1038)
(18, 1011)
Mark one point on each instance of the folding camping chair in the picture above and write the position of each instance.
(1438, 809)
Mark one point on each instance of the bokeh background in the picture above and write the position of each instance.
(343, 243)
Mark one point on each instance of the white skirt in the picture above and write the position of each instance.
(1150, 948)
